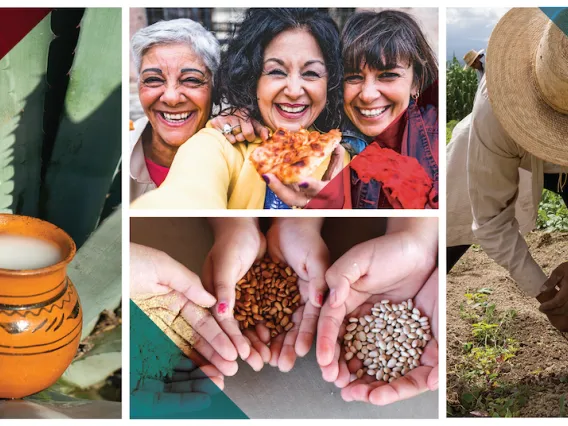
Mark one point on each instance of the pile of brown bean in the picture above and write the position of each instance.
(389, 341)
(269, 294)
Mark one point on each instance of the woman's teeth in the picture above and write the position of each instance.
(292, 109)
(372, 112)
(175, 117)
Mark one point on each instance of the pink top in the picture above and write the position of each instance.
(157, 173)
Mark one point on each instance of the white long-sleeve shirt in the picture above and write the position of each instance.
(140, 180)
(502, 189)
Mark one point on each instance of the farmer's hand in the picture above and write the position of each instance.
(238, 243)
(558, 304)
(398, 266)
(298, 243)
(165, 289)
(300, 194)
(244, 128)
(554, 301)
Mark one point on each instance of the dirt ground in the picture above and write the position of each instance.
(542, 360)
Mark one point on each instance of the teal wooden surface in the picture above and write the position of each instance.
(87, 149)
(22, 92)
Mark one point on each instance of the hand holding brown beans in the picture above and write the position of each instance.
(238, 244)
(294, 244)
(297, 242)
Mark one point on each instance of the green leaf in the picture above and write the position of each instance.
(96, 271)
(22, 93)
(467, 398)
(99, 363)
(87, 148)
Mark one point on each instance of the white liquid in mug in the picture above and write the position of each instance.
(21, 252)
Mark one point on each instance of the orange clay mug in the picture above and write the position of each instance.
(40, 314)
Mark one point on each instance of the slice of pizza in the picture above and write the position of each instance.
(403, 176)
(293, 156)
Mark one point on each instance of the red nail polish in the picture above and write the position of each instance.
(222, 308)
(320, 299)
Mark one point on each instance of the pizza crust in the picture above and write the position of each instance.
(293, 156)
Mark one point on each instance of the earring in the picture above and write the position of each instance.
(416, 95)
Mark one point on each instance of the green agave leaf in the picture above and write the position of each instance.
(87, 148)
(22, 89)
(99, 363)
(50, 395)
(96, 271)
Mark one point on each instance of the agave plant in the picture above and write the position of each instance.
(60, 147)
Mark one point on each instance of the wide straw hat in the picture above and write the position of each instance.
(470, 57)
(527, 80)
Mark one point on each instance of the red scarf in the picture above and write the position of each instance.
(391, 138)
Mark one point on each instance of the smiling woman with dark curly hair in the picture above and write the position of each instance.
(245, 57)
(284, 66)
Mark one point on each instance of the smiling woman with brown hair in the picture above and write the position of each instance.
(390, 98)
(176, 61)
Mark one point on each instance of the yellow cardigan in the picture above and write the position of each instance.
(208, 172)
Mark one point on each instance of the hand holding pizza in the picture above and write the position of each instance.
(238, 243)
(300, 194)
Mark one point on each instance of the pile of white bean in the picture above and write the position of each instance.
(389, 342)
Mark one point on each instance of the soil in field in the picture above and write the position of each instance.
(540, 368)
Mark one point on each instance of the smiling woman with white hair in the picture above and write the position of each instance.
(175, 61)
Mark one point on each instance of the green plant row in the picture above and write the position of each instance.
(461, 86)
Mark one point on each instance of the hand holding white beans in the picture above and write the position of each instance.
(398, 266)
